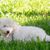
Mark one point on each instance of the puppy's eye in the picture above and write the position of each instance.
(4, 26)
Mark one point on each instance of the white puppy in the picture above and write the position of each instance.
(10, 30)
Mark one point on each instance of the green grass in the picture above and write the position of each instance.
(27, 45)
(28, 12)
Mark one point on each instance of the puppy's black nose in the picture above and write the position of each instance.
(7, 31)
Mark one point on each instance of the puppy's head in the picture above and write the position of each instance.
(7, 27)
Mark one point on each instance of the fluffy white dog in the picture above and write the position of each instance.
(10, 30)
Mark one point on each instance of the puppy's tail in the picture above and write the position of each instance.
(47, 38)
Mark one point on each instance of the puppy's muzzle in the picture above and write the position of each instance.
(6, 31)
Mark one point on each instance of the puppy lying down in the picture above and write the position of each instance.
(10, 30)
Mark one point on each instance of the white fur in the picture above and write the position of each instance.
(29, 32)
(21, 32)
